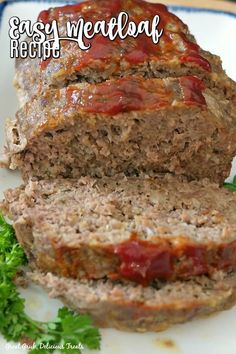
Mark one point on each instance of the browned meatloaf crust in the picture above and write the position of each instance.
(176, 54)
(131, 307)
(139, 229)
(129, 125)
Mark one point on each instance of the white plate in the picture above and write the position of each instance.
(215, 335)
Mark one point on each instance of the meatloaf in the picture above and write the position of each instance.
(129, 125)
(131, 307)
(176, 54)
(137, 229)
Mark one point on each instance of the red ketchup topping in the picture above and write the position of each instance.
(44, 16)
(192, 88)
(103, 49)
(143, 262)
(197, 59)
(197, 263)
(133, 94)
(140, 50)
(44, 63)
(227, 255)
(134, 51)
(113, 97)
(113, 7)
(51, 14)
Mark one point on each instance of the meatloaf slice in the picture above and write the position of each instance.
(131, 307)
(129, 125)
(176, 54)
(139, 229)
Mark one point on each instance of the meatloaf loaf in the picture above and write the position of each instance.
(176, 54)
(138, 229)
(129, 125)
(131, 307)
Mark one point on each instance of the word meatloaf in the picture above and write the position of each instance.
(136, 254)
(128, 125)
(123, 149)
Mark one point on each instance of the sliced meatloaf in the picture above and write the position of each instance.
(131, 307)
(176, 54)
(129, 125)
(138, 229)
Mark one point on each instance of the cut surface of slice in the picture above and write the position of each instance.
(131, 307)
(138, 229)
(130, 125)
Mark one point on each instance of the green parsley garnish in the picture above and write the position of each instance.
(69, 331)
(231, 185)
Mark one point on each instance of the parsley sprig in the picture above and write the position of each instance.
(68, 332)
(231, 185)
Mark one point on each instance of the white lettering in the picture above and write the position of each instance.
(44, 40)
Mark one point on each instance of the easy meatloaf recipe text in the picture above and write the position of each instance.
(123, 150)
